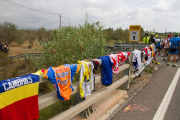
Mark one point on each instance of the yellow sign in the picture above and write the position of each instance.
(134, 33)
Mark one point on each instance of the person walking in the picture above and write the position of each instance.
(174, 48)
(166, 45)
(153, 41)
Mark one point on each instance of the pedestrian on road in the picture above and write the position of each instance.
(166, 45)
(153, 41)
(174, 48)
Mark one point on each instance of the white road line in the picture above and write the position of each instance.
(160, 113)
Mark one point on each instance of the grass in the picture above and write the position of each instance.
(16, 49)
(149, 70)
(133, 82)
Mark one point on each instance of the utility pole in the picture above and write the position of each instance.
(165, 33)
(69, 23)
(86, 17)
(60, 22)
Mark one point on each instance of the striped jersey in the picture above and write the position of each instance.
(19, 98)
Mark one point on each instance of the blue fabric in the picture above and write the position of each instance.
(107, 75)
(73, 68)
(9, 84)
(158, 44)
(52, 78)
(174, 41)
(135, 64)
(173, 52)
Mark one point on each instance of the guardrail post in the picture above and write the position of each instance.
(134, 45)
(126, 84)
(121, 47)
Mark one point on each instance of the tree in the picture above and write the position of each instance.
(31, 36)
(41, 34)
(9, 33)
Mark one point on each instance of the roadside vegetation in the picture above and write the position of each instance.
(59, 46)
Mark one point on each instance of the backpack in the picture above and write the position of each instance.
(173, 48)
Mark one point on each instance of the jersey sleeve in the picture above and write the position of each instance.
(51, 75)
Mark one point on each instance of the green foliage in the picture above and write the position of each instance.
(120, 35)
(41, 33)
(71, 44)
(149, 70)
(31, 36)
(9, 33)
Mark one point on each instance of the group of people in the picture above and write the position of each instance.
(171, 45)
(152, 40)
(3, 48)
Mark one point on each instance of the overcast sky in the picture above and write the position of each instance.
(157, 14)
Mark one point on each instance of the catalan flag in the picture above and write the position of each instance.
(19, 98)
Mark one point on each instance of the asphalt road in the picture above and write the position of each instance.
(147, 101)
(174, 106)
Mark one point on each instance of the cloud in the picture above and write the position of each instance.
(161, 14)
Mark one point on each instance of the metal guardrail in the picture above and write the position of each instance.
(126, 46)
(123, 47)
(22, 56)
(51, 98)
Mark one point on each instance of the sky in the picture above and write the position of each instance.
(157, 15)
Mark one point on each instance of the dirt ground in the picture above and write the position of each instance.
(16, 49)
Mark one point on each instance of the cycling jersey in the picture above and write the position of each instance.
(152, 40)
(61, 79)
(19, 98)
(158, 42)
(174, 43)
(86, 80)
(166, 42)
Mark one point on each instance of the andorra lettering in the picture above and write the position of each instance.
(17, 83)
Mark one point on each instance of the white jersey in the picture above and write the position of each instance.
(86, 81)
(166, 43)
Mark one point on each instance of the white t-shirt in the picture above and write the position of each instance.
(166, 42)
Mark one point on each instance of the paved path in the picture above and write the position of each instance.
(145, 104)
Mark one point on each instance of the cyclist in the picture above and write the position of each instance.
(179, 49)
(174, 44)
(146, 38)
(166, 45)
(156, 36)
(152, 41)
(158, 45)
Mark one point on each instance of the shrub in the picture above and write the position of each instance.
(71, 44)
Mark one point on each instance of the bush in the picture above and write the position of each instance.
(71, 44)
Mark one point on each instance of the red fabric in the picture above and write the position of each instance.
(25, 109)
(145, 51)
(118, 59)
